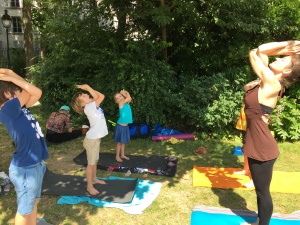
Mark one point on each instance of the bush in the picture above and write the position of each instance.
(17, 61)
(209, 104)
(285, 120)
(107, 71)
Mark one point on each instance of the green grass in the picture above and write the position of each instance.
(177, 197)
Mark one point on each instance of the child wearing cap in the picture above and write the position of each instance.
(59, 127)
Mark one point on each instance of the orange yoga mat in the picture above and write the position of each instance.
(285, 182)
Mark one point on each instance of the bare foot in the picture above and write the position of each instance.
(97, 181)
(249, 184)
(118, 159)
(124, 157)
(92, 191)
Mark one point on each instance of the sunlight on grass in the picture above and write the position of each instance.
(177, 196)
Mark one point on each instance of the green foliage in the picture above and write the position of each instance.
(283, 19)
(18, 61)
(294, 91)
(200, 86)
(285, 120)
(210, 105)
(108, 71)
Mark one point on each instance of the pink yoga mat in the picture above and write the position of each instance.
(177, 136)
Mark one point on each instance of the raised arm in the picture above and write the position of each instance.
(127, 96)
(280, 48)
(97, 96)
(259, 57)
(259, 63)
(30, 94)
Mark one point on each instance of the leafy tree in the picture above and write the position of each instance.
(184, 62)
(285, 120)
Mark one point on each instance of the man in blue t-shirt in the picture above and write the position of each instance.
(27, 167)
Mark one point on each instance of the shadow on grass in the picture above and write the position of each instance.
(229, 199)
(220, 154)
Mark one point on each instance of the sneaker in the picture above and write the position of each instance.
(5, 186)
(3, 175)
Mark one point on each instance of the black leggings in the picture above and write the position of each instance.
(261, 173)
(61, 137)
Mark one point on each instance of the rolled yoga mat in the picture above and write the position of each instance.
(177, 136)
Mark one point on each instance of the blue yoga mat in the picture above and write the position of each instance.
(217, 216)
(145, 193)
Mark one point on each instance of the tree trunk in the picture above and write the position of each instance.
(164, 35)
(42, 47)
(28, 36)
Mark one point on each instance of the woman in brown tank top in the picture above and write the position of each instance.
(259, 145)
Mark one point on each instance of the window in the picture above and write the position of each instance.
(12, 3)
(6, 3)
(15, 3)
(18, 44)
(16, 25)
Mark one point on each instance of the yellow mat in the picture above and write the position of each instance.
(285, 182)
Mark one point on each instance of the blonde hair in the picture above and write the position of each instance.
(76, 103)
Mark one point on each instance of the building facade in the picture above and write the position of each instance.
(15, 36)
(15, 32)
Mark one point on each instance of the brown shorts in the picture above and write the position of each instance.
(92, 147)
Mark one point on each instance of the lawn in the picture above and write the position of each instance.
(177, 197)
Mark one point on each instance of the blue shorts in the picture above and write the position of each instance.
(122, 134)
(28, 185)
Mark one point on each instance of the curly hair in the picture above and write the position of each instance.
(76, 103)
(6, 86)
(294, 76)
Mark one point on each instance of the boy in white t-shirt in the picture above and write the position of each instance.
(83, 103)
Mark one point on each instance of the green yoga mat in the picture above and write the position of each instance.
(120, 191)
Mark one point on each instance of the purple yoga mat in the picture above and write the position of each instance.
(177, 136)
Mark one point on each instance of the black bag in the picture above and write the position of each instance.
(139, 130)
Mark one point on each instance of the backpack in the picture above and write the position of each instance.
(139, 130)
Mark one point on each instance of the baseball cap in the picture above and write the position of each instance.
(65, 107)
